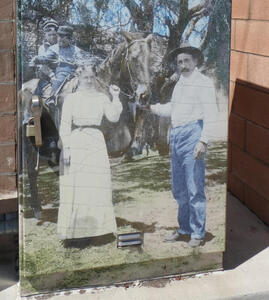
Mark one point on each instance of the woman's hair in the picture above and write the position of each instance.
(95, 82)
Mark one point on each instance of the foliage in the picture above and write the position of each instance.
(217, 41)
(203, 23)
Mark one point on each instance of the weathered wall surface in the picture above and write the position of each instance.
(249, 106)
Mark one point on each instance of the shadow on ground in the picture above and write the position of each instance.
(246, 235)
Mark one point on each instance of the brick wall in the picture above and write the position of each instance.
(7, 103)
(249, 109)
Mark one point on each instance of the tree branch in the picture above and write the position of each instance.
(200, 9)
(190, 28)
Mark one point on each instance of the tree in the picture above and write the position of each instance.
(142, 14)
(181, 19)
(217, 41)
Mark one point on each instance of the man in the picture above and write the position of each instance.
(50, 28)
(63, 57)
(50, 38)
(192, 110)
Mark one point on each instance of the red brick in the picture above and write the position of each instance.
(7, 35)
(7, 9)
(7, 70)
(250, 171)
(7, 128)
(258, 70)
(8, 183)
(257, 203)
(258, 142)
(252, 37)
(251, 104)
(237, 130)
(259, 10)
(7, 98)
(240, 9)
(236, 186)
(7, 159)
(238, 67)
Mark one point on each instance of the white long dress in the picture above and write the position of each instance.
(86, 208)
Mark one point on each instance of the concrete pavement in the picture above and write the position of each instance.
(246, 275)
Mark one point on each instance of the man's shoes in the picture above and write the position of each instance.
(195, 242)
(175, 237)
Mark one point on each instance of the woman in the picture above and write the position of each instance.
(86, 208)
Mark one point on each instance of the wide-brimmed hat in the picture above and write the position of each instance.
(186, 48)
(50, 23)
(65, 30)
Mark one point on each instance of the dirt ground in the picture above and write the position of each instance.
(143, 202)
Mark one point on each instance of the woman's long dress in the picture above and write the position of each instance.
(86, 208)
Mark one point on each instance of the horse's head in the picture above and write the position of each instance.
(136, 65)
(135, 68)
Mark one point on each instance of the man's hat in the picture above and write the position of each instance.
(50, 23)
(186, 48)
(65, 30)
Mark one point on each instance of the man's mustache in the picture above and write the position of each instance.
(185, 70)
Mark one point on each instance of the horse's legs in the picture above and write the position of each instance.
(30, 154)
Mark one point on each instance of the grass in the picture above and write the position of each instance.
(141, 189)
(151, 173)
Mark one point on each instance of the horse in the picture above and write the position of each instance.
(128, 66)
(137, 67)
(31, 153)
(141, 69)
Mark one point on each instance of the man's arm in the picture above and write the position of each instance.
(50, 57)
(207, 95)
(210, 111)
(162, 110)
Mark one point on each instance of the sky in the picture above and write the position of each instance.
(117, 15)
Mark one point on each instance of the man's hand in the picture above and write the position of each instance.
(114, 91)
(174, 77)
(200, 150)
(52, 76)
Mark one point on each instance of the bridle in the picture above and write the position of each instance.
(126, 57)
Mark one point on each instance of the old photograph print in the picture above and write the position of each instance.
(123, 108)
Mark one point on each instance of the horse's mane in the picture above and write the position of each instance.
(110, 67)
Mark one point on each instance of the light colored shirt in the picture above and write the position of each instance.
(85, 108)
(71, 55)
(193, 98)
(42, 50)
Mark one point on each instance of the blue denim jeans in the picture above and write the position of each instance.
(188, 179)
(41, 84)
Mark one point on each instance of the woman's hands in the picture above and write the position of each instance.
(66, 156)
(114, 91)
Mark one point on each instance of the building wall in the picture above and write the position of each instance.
(8, 186)
(249, 105)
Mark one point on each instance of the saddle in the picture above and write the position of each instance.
(69, 85)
